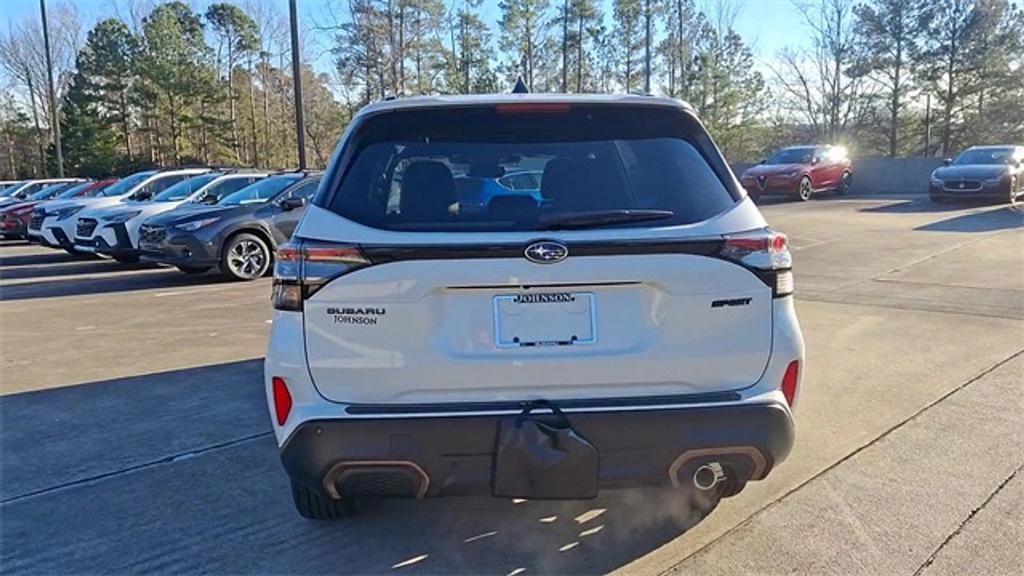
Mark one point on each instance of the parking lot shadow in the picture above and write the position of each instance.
(146, 278)
(1005, 218)
(178, 472)
(38, 259)
(69, 268)
(61, 436)
(915, 206)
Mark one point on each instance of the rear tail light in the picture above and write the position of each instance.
(789, 381)
(304, 266)
(766, 253)
(282, 400)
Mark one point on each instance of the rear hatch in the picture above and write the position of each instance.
(610, 285)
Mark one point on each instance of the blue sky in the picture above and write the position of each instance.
(766, 25)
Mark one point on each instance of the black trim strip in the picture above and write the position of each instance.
(385, 253)
(384, 409)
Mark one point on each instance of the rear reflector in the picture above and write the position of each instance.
(789, 381)
(282, 400)
(783, 283)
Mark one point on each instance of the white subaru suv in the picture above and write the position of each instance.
(631, 323)
(54, 223)
(114, 230)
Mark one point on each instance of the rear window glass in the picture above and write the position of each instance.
(486, 169)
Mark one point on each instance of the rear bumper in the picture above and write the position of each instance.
(454, 455)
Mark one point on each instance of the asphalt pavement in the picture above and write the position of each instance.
(135, 437)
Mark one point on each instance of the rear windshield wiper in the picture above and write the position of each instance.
(580, 220)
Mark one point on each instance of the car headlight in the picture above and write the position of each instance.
(195, 224)
(998, 179)
(792, 174)
(121, 216)
(65, 213)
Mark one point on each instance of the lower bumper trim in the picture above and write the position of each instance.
(651, 447)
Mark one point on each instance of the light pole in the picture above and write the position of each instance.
(53, 100)
(300, 123)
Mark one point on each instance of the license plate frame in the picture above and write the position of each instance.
(508, 333)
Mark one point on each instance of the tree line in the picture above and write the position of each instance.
(174, 86)
(170, 87)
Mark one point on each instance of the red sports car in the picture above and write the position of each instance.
(800, 171)
(14, 219)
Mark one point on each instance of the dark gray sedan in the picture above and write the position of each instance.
(989, 172)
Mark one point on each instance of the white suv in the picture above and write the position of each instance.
(630, 324)
(114, 230)
(54, 224)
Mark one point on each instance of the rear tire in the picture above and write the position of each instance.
(316, 505)
(245, 257)
(804, 189)
(193, 270)
(844, 184)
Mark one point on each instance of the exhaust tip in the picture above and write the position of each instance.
(707, 476)
(382, 479)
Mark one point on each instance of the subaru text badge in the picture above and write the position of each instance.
(546, 252)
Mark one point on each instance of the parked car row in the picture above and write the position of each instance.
(981, 172)
(195, 219)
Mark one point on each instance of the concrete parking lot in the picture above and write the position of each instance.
(135, 437)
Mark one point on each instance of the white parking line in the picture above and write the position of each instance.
(192, 291)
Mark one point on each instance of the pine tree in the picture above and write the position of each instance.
(236, 32)
(106, 71)
(524, 29)
(889, 37)
(90, 144)
(173, 54)
(629, 39)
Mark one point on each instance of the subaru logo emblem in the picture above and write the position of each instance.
(546, 252)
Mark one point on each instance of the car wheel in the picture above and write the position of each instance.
(844, 184)
(804, 190)
(127, 258)
(193, 269)
(245, 257)
(316, 505)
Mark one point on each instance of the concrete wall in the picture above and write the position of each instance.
(885, 175)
